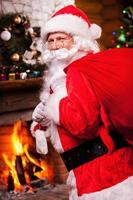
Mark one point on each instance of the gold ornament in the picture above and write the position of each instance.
(17, 19)
(25, 22)
(11, 76)
(15, 57)
(33, 34)
(34, 52)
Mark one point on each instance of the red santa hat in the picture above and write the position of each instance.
(71, 20)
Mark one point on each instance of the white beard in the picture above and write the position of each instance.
(62, 54)
(61, 58)
(57, 61)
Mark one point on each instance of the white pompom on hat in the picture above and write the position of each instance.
(71, 20)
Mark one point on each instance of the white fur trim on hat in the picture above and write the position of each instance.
(95, 31)
(71, 24)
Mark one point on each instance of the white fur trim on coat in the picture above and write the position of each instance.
(51, 107)
(72, 24)
(55, 139)
(120, 191)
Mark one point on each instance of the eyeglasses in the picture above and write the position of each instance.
(59, 42)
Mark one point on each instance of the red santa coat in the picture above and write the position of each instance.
(97, 89)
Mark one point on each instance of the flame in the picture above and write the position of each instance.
(11, 165)
(22, 150)
(16, 139)
(42, 164)
(29, 157)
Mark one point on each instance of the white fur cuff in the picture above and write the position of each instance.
(51, 108)
(32, 128)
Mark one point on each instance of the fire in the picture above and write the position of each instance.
(11, 165)
(16, 139)
(21, 162)
(44, 172)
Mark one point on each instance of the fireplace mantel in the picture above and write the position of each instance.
(14, 85)
(18, 98)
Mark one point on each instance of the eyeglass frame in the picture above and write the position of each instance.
(59, 42)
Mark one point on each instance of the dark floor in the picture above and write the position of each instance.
(48, 192)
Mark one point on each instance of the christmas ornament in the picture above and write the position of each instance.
(30, 30)
(39, 60)
(122, 37)
(118, 45)
(17, 75)
(17, 19)
(23, 75)
(129, 11)
(15, 57)
(3, 77)
(25, 22)
(31, 75)
(33, 35)
(34, 52)
(5, 35)
(27, 55)
(11, 76)
(36, 74)
(28, 72)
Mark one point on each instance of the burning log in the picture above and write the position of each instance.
(20, 170)
(30, 171)
(10, 182)
(38, 183)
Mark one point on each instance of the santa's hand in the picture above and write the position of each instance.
(40, 137)
(39, 116)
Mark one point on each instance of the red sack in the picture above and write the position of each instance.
(111, 75)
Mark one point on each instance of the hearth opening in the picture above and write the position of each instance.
(22, 170)
(21, 167)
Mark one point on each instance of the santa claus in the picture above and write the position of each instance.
(85, 108)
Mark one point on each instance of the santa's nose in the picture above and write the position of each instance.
(55, 44)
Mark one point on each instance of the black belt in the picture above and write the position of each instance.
(89, 151)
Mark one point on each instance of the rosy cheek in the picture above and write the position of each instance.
(69, 46)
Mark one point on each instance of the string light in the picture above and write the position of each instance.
(123, 37)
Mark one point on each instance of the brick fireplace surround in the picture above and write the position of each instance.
(17, 100)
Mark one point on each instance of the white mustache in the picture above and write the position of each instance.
(60, 54)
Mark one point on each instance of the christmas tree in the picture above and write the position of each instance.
(123, 37)
(20, 57)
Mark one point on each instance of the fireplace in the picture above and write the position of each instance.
(17, 147)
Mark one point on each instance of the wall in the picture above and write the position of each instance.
(18, 99)
(104, 13)
(38, 11)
